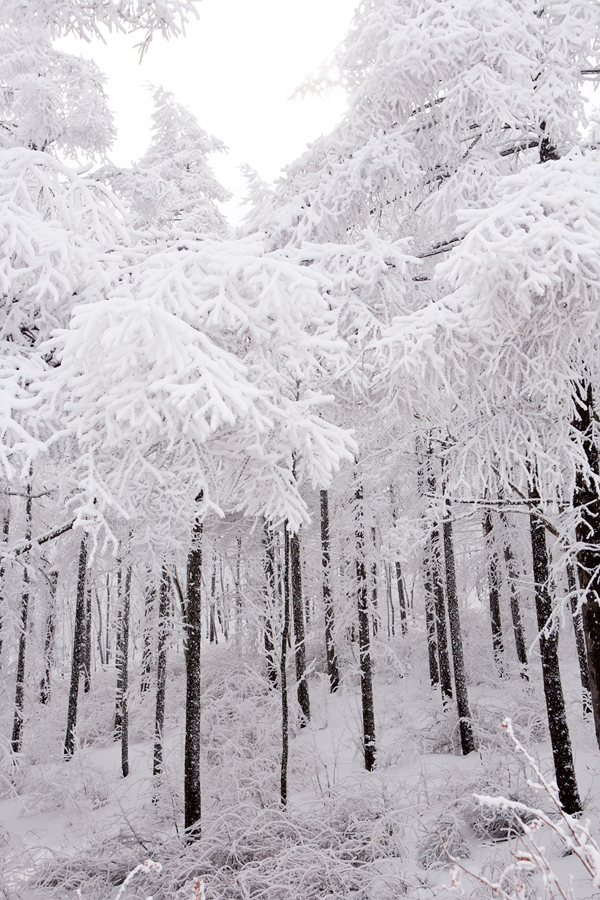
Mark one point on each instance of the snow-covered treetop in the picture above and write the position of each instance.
(87, 18)
(51, 100)
(444, 97)
(189, 374)
(493, 365)
(173, 184)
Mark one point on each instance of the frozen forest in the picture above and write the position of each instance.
(300, 519)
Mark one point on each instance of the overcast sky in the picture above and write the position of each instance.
(236, 69)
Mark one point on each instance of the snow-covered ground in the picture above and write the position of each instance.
(346, 833)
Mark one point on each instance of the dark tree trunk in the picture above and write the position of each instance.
(86, 663)
(332, 666)
(5, 532)
(238, 591)
(107, 620)
(438, 593)
(401, 596)
(391, 608)
(269, 545)
(374, 611)
(460, 676)
(364, 639)
(192, 795)
(149, 607)
(587, 500)
(299, 638)
(161, 671)
(119, 659)
(100, 629)
(49, 639)
(78, 639)
(429, 579)
(285, 741)
(493, 568)
(548, 636)
(17, 732)
(212, 628)
(515, 603)
(125, 675)
(440, 618)
(579, 639)
(430, 615)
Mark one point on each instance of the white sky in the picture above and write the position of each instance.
(235, 69)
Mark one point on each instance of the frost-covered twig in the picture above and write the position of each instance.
(528, 854)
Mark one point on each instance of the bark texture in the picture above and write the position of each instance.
(557, 719)
(299, 636)
(460, 676)
(192, 793)
(515, 600)
(364, 640)
(49, 639)
(17, 732)
(494, 579)
(587, 500)
(285, 738)
(161, 671)
(78, 639)
(332, 664)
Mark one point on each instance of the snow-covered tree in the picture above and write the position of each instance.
(173, 186)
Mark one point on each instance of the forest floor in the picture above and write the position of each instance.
(79, 826)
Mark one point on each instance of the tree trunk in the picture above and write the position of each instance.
(125, 675)
(440, 618)
(548, 636)
(364, 639)
(78, 639)
(430, 615)
(285, 741)
(494, 589)
(107, 657)
(515, 603)
(192, 794)
(299, 639)
(460, 676)
(238, 591)
(332, 666)
(587, 501)
(49, 639)
(374, 611)
(149, 606)
(269, 545)
(119, 660)
(5, 532)
(401, 596)
(161, 671)
(17, 732)
(579, 639)
(86, 663)
(100, 629)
